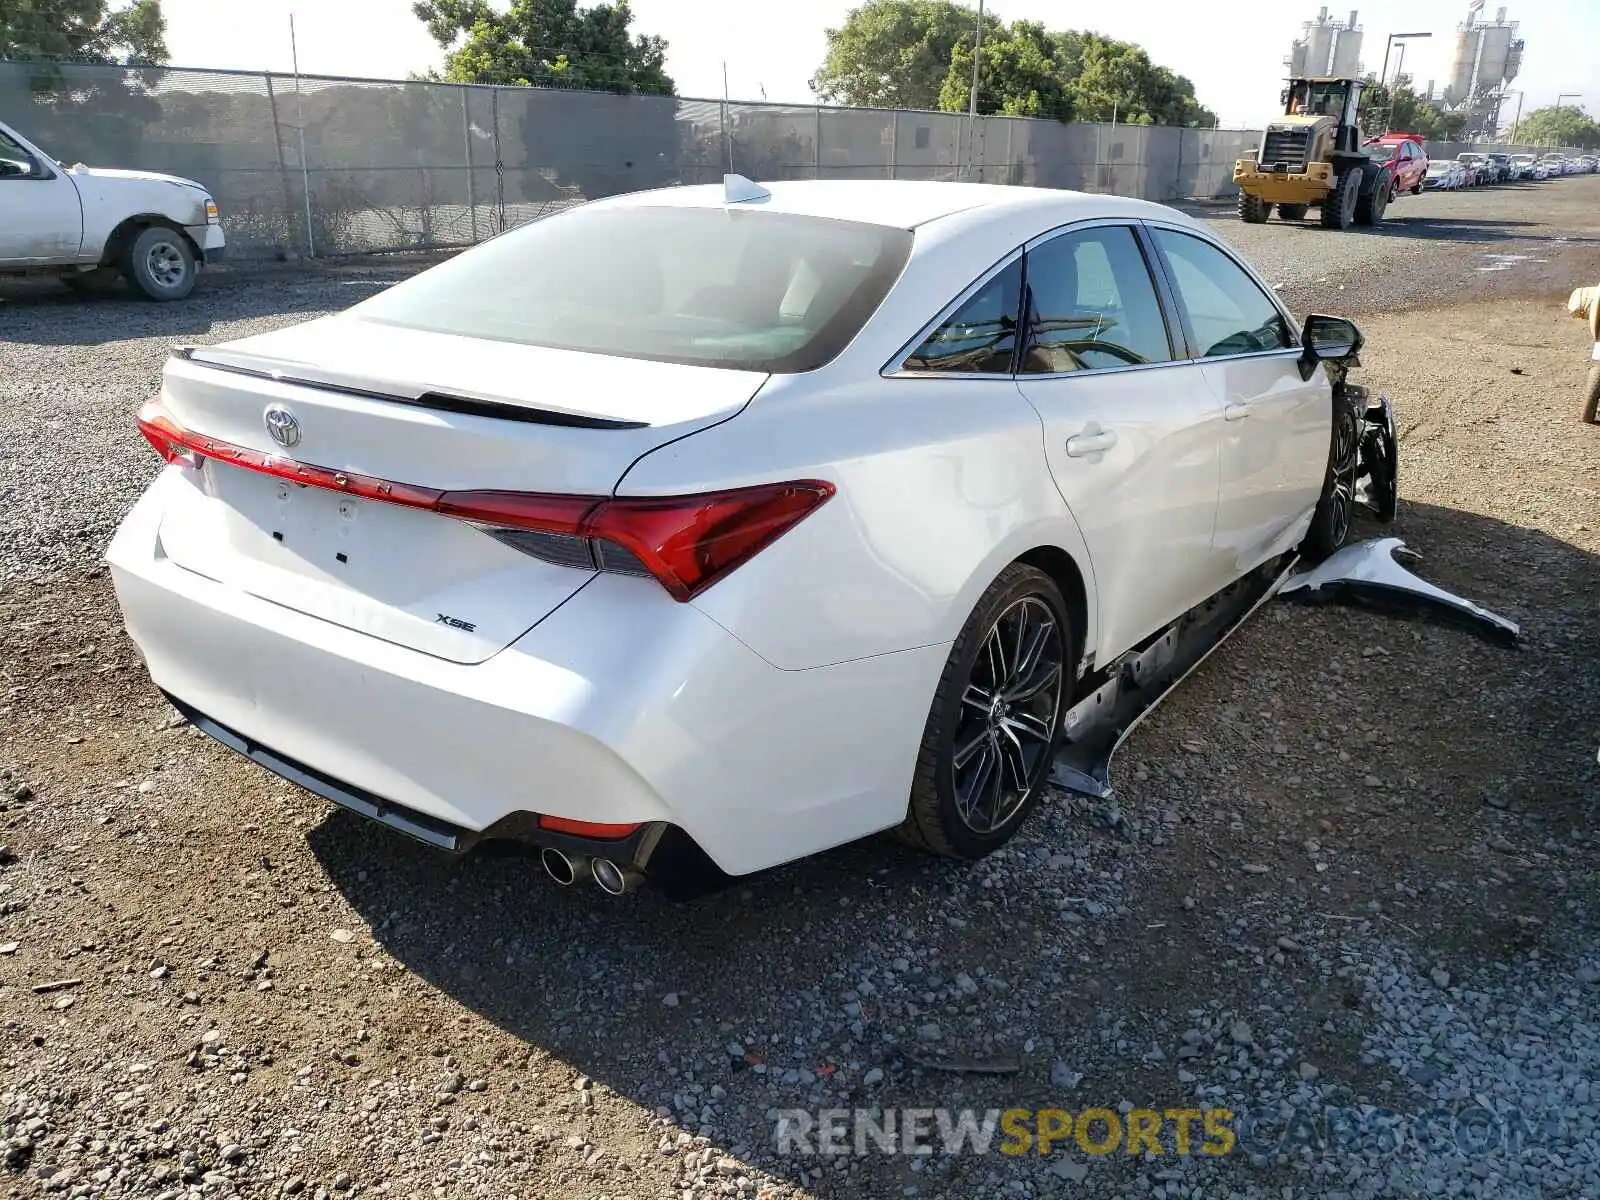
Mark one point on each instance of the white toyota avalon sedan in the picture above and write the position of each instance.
(693, 531)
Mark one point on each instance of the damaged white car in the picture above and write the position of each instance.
(691, 532)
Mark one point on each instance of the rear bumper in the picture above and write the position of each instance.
(621, 707)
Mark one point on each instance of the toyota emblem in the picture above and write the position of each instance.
(282, 426)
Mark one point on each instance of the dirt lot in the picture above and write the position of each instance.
(1352, 862)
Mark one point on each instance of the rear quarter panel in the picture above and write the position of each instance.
(941, 483)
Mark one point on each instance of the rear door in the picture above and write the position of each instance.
(1132, 434)
(1276, 425)
(365, 399)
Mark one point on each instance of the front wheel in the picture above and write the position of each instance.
(1253, 210)
(1330, 524)
(160, 264)
(991, 731)
(1591, 399)
(1370, 206)
(1339, 206)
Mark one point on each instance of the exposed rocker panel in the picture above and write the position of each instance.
(1096, 726)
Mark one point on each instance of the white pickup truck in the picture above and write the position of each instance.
(90, 225)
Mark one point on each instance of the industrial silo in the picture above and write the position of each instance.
(1347, 50)
(1514, 60)
(1463, 64)
(1296, 62)
(1319, 46)
(1496, 51)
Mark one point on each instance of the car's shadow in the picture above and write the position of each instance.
(45, 312)
(645, 996)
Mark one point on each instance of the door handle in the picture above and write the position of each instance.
(1093, 440)
(1235, 412)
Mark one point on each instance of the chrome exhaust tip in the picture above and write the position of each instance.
(615, 880)
(564, 870)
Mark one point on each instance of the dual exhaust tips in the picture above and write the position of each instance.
(567, 869)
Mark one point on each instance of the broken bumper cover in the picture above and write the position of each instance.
(1368, 574)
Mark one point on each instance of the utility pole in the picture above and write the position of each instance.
(1516, 123)
(300, 115)
(972, 99)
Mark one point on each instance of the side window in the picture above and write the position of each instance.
(1228, 312)
(981, 335)
(1092, 304)
(15, 162)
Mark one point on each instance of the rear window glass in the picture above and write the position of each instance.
(709, 287)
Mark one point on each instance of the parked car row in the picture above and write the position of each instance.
(1483, 170)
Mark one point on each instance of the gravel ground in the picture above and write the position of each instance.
(1351, 866)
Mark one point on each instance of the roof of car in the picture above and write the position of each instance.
(901, 203)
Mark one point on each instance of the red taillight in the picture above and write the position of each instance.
(686, 543)
(589, 829)
(160, 431)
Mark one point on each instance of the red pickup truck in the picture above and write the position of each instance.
(1407, 159)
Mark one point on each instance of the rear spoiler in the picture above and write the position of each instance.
(300, 374)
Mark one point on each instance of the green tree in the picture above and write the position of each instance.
(1020, 76)
(918, 54)
(551, 43)
(1118, 80)
(1568, 125)
(898, 53)
(88, 31)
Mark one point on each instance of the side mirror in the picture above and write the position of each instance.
(1329, 339)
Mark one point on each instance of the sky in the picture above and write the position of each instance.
(772, 47)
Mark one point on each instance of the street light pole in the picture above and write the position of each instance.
(1389, 45)
(1564, 95)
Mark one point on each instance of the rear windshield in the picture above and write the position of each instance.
(711, 287)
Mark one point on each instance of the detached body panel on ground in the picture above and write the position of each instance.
(462, 550)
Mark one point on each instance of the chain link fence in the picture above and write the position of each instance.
(320, 165)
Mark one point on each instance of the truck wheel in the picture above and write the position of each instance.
(1253, 210)
(1292, 212)
(995, 718)
(1591, 399)
(1339, 208)
(1370, 206)
(160, 264)
(101, 281)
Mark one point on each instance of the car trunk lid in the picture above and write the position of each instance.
(434, 411)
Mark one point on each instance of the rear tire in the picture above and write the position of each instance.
(1330, 524)
(160, 264)
(1292, 212)
(1591, 400)
(995, 719)
(1339, 208)
(1253, 210)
